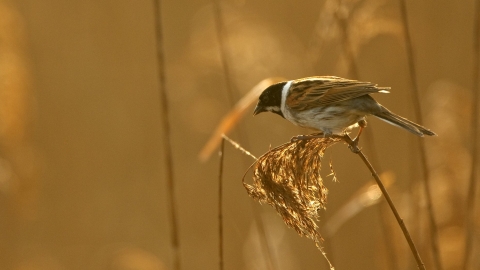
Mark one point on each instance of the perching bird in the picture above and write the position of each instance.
(330, 104)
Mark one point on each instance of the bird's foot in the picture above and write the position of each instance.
(354, 143)
(298, 138)
(362, 123)
(354, 146)
(307, 137)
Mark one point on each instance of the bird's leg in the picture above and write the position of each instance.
(362, 124)
(354, 147)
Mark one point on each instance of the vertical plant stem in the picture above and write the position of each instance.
(472, 187)
(220, 204)
(221, 37)
(167, 139)
(370, 142)
(423, 155)
(414, 250)
(264, 244)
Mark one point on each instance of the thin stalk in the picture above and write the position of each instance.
(238, 147)
(264, 244)
(221, 37)
(220, 205)
(369, 138)
(171, 200)
(328, 247)
(359, 152)
(472, 187)
(423, 156)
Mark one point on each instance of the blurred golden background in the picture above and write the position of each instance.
(83, 181)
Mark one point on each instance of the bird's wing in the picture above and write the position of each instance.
(313, 92)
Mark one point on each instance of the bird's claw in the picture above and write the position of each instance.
(299, 138)
(306, 137)
(353, 146)
(355, 149)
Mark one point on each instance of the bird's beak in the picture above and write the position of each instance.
(258, 109)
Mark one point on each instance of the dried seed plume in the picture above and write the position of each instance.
(288, 178)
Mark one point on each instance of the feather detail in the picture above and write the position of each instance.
(311, 92)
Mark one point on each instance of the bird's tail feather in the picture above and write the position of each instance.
(404, 123)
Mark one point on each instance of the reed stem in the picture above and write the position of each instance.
(167, 144)
(423, 155)
(359, 152)
(220, 205)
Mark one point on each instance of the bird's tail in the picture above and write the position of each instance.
(404, 123)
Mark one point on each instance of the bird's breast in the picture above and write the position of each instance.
(333, 118)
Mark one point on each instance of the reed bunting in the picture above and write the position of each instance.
(330, 104)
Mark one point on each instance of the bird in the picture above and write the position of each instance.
(331, 105)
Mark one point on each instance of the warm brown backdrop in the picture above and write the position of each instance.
(82, 168)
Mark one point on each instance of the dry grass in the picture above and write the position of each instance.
(288, 178)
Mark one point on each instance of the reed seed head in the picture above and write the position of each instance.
(288, 178)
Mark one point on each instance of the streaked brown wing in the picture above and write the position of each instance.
(313, 92)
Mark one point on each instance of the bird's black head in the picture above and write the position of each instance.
(270, 100)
